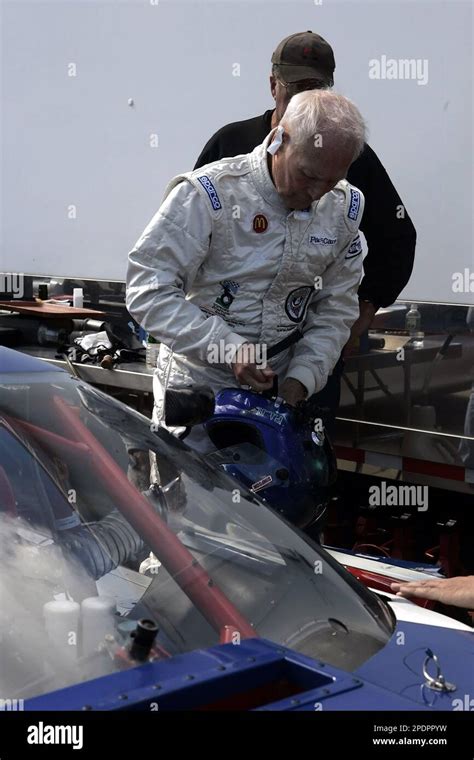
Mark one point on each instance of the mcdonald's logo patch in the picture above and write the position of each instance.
(260, 223)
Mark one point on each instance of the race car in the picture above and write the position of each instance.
(135, 572)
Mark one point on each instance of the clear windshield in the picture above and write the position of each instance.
(96, 505)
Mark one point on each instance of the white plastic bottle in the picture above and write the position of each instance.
(61, 621)
(97, 620)
(78, 298)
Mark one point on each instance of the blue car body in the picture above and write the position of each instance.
(259, 674)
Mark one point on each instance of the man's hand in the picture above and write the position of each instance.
(366, 316)
(249, 373)
(292, 391)
(458, 592)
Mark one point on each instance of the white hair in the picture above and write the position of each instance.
(319, 112)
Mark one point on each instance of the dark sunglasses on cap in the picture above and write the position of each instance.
(293, 88)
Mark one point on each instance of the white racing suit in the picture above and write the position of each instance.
(224, 262)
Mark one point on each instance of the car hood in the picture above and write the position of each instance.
(398, 666)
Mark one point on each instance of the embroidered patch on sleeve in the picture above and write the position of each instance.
(355, 248)
(211, 191)
(354, 206)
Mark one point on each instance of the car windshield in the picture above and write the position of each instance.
(101, 513)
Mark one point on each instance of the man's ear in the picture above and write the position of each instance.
(273, 84)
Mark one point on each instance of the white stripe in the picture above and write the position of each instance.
(408, 612)
(372, 565)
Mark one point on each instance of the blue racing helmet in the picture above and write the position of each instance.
(278, 451)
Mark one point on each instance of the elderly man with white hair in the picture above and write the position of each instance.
(248, 252)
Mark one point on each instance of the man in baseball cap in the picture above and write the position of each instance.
(305, 61)
(305, 56)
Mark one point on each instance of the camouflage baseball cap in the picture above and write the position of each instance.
(305, 55)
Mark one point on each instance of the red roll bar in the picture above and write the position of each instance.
(178, 561)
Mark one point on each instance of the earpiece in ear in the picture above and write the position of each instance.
(277, 140)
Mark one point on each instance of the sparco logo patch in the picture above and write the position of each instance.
(355, 248)
(295, 304)
(355, 205)
(211, 191)
(260, 223)
(316, 240)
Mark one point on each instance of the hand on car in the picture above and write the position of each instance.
(458, 591)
